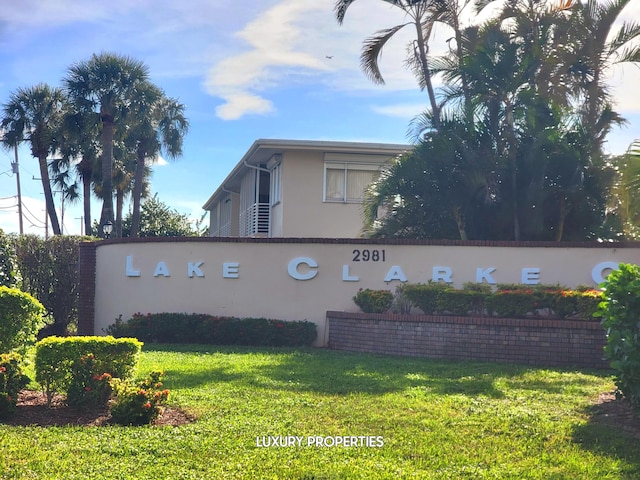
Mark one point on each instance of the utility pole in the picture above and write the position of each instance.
(16, 169)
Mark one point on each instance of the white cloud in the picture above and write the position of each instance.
(272, 37)
(401, 110)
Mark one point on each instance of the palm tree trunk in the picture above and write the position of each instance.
(107, 167)
(86, 174)
(48, 194)
(459, 217)
(137, 194)
(119, 207)
(422, 53)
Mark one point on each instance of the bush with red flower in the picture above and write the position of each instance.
(89, 388)
(12, 380)
(137, 403)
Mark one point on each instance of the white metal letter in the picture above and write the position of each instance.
(485, 275)
(129, 271)
(597, 274)
(530, 276)
(441, 273)
(161, 269)
(296, 262)
(395, 273)
(231, 270)
(348, 278)
(193, 268)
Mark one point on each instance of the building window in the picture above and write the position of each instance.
(276, 186)
(347, 182)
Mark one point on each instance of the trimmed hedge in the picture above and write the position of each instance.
(213, 330)
(373, 301)
(21, 316)
(508, 300)
(56, 357)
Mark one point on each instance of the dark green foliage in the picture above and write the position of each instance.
(620, 311)
(426, 296)
(57, 357)
(137, 403)
(21, 316)
(12, 380)
(509, 300)
(213, 330)
(373, 301)
(157, 219)
(49, 270)
(89, 388)
(8, 262)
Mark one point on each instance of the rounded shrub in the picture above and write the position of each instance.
(21, 317)
(373, 301)
(620, 311)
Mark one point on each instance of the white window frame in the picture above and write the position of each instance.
(275, 188)
(346, 167)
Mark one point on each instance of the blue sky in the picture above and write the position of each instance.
(245, 70)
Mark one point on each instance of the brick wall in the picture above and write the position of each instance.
(86, 288)
(524, 341)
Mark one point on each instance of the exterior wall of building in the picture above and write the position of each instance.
(302, 279)
(305, 214)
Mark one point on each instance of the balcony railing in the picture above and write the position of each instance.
(255, 220)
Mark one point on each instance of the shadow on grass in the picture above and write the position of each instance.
(612, 430)
(334, 372)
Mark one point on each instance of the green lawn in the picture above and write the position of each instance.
(437, 419)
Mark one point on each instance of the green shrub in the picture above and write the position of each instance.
(49, 271)
(137, 404)
(426, 296)
(56, 356)
(401, 303)
(89, 388)
(9, 276)
(12, 380)
(21, 316)
(373, 301)
(512, 303)
(213, 330)
(621, 319)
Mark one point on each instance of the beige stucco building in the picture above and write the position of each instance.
(297, 188)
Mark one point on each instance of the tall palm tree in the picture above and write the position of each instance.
(158, 125)
(598, 44)
(105, 85)
(33, 115)
(421, 15)
(80, 149)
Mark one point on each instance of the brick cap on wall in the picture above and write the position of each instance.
(376, 241)
(476, 320)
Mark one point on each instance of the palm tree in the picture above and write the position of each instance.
(105, 85)
(33, 115)
(80, 149)
(598, 44)
(422, 18)
(438, 189)
(626, 191)
(158, 125)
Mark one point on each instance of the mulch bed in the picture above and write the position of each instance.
(33, 410)
(616, 412)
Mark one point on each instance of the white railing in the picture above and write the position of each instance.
(255, 220)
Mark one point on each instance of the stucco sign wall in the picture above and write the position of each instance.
(301, 279)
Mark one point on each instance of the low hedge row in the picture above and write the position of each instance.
(213, 330)
(507, 300)
(56, 359)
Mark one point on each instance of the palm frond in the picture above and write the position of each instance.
(372, 51)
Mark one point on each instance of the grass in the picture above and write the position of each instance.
(438, 419)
